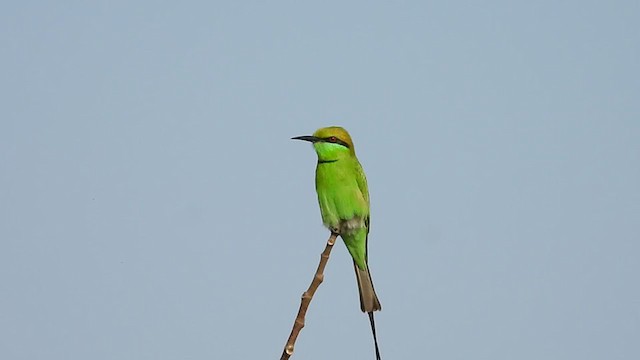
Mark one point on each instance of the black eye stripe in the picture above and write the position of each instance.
(336, 141)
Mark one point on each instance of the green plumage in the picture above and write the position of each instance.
(344, 203)
(343, 197)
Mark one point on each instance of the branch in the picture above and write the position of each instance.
(298, 324)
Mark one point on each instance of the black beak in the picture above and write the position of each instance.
(306, 138)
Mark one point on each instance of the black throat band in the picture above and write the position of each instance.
(326, 161)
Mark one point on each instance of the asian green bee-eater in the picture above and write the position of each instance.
(344, 204)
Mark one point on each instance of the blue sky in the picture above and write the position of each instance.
(153, 206)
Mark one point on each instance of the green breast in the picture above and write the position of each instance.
(339, 194)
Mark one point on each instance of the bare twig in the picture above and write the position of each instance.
(298, 324)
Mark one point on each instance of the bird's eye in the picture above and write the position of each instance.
(333, 139)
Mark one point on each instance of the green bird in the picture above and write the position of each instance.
(344, 204)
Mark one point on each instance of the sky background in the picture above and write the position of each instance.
(153, 206)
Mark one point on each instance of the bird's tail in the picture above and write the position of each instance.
(375, 338)
(368, 299)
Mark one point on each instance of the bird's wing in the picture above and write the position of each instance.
(364, 190)
(361, 179)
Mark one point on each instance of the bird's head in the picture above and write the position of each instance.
(331, 143)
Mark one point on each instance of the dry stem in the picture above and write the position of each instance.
(298, 324)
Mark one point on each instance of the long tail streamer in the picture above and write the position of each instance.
(375, 338)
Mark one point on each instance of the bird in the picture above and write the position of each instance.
(343, 196)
